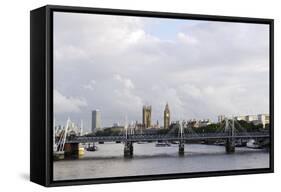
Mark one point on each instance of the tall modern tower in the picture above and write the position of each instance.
(146, 116)
(96, 120)
(166, 116)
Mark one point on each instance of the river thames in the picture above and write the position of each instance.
(148, 159)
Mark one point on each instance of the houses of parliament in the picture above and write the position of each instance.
(147, 113)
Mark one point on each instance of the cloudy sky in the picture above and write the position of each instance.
(117, 64)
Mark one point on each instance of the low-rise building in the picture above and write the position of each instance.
(250, 118)
(221, 118)
(256, 119)
(240, 118)
(198, 123)
(263, 119)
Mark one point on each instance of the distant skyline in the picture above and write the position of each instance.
(118, 64)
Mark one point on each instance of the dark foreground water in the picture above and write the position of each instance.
(108, 161)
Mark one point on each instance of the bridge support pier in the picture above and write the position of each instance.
(181, 148)
(128, 149)
(71, 150)
(229, 146)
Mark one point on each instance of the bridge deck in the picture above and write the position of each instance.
(154, 137)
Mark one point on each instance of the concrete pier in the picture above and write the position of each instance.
(229, 146)
(181, 148)
(128, 149)
(71, 150)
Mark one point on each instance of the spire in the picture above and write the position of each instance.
(166, 116)
(167, 106)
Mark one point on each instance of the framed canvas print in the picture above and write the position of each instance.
(125, 95)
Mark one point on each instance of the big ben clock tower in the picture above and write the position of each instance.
(166, 116)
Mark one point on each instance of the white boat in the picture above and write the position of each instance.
(253, 144)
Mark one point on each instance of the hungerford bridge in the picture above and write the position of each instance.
(230, 132)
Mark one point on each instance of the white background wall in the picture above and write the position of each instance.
(14, 95)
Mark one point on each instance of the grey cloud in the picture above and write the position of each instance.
(210, 68)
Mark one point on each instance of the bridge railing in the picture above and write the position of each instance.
(163, 137)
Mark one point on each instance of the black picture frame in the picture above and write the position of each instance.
(41, 93)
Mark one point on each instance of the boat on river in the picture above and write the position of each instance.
(159, 144)
(253, 144)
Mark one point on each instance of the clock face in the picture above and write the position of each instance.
(167, 115)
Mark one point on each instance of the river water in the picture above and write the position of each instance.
(148, 159)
